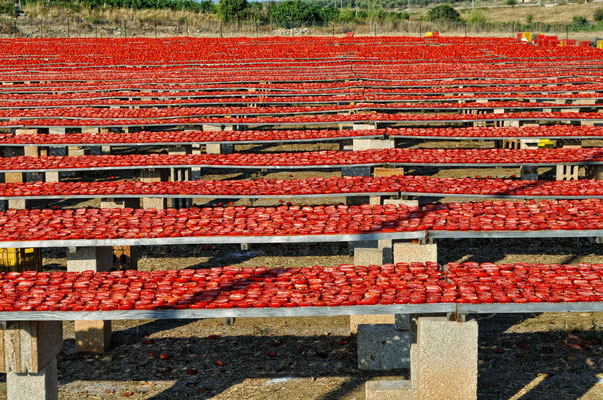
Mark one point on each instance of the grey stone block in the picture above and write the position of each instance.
(39, 386)
(17, 204)
(408, 203)
(368, 256)
(382, 348)
(357, 200)
(409, 252)
(363, 127)
(217, 148)
(57, 151)
(356, 171)
(52, 176)
(90, 258)
(390, 390)
(368, 144)
(446, 366)
(529, 173)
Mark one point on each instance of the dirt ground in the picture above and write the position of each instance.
(528, 356)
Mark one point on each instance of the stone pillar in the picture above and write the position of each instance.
(407, 252)
(437, 366)
(219, 148)
(368, 256)
(372, 144)
(154, 175)
(28, 353)
(91, 336)
(529, 173)
(364, 126)
(125, 257)
(595, 172)
(446, 366)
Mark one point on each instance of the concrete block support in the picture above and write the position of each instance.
(382, 348)
(368, 256)
(38, 386)
(17, 204)
(364, 127)
(356, 171)
(89, 258)
(529, 173)
(125, 257)
(154, 175)
(385, 172)
(436, 366)
(446, 366)
(368, 144)
(29, 346)
(410, 252)
(91, 336)
(218, 148)
(28, 353)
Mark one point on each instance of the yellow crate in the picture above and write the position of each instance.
(600, 44)
(546, 144)
(527, 36)
(428, 34)
(18, 260)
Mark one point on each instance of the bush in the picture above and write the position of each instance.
(444, 13)
(292, 13)
(512, 3)
(598, 15)
(8, 8)
(476, 18)
(229, 10)
(579, 23)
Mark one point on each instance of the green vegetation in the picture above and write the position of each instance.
(598, 15)
(231, 10)
(7, 8)
(191, 5)
(476, 18)
(444, 13)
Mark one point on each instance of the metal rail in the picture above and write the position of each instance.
(433, 308)
(308, 238)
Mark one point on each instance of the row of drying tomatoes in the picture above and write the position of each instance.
(128, 98)
(302, 119)
(272, 110)
(190, 78)
(345, 285)
(391, 87)
(179, 108)
(106, 223)
(311, 186)
(196, 136)
(183, 111)
(312, 158)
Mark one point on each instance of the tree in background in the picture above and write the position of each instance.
(293, 13)
(443, 13)
(231, 10)
(7, 8)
